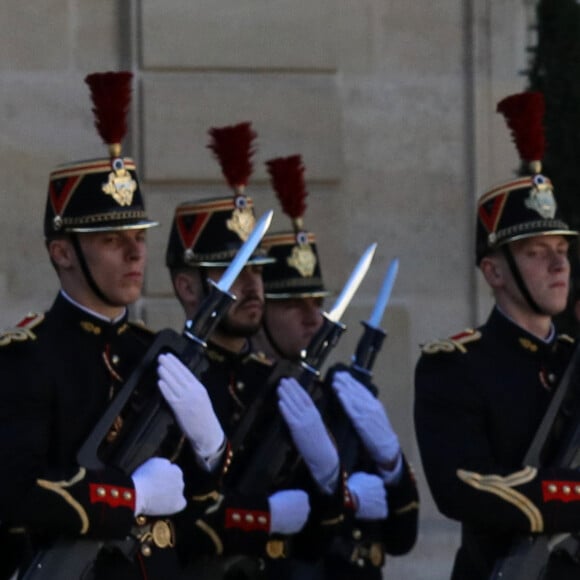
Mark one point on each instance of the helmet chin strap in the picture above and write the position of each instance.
(87, 273)
(519, 280)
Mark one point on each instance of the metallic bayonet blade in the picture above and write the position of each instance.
(245, 252)
(352, 284)
(384, 295)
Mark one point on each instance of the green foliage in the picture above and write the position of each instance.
(555, 71)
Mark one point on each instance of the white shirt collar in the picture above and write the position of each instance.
(92, 312)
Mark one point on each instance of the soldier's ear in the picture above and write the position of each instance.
(62, 253)
(187, 287)
(491, 268)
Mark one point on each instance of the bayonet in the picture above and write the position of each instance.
(315, 354)
(373, 335)
(384, 295)
(352, 284)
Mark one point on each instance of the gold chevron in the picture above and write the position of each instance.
(502, 487)
(219, 547)
(58, 487)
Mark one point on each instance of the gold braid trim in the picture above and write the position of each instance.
(332, 521)
(502, 487)
(58, 488)
(215, 495)
(453, 343)
(414, 505)
(219, 547)
(177, 451)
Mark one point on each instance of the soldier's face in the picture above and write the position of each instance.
(245, 314)
(544, 266)
(543, 262)
(292, 323)
(116, 261)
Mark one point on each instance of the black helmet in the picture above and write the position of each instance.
(296, 272)
(99, 194)
(209, 233)
(524, 206)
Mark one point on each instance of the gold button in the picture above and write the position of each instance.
(127, 495)
(356, 534)
(276, 549)
(240, 386)
(250, 518)
(146, 550)
(236, 517)
(115, 359)
(262, 519)
(101, 492)
(577, 489)
(115, 493)
(376, 554)
(162, 534)
(566, 489)
(552, 488)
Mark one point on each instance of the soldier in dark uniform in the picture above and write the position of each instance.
(228, 539)
(481, 394)
(294, 291)
(61, 368)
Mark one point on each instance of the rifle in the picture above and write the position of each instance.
(274, 452)
(529, 555)
(147, 419)
(361, 366)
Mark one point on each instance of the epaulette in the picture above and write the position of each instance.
(22, 331)
(214, 355)
(454, 343)
(260, 357)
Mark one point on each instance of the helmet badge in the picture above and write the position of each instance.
(120, 186)
(541, 198)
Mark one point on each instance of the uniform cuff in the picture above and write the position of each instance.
(392, 475)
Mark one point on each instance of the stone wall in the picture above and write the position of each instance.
(390, 103)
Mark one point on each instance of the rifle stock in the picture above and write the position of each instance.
(528, 557)
(74, 556)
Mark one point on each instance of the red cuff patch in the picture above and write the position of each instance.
(248, 520)
(113, 495)
(561, 491)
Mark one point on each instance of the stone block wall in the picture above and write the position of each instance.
(390, 103)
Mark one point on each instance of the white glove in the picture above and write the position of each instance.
(369, 419)
(370, 495)
(158, 487)
(289, 511)
(191, 405)
(309, 433)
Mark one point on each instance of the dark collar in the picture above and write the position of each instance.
(66, 313)
(507, 332)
